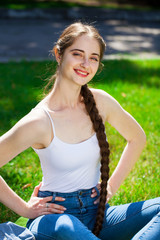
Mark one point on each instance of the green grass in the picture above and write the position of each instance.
(21, 221)
(134, 83)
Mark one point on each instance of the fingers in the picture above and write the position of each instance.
(36, 190)
(48, 199)
(53, 208)
(97, 201)
(60, 199)
(94, 193)
(38, 206)
(99, 187)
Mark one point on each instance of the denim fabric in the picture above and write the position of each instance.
(134, 221)
(11, 231)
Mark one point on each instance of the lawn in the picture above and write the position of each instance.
(134, 83)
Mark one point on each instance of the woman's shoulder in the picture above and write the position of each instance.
(30, 130)
(102, 97)
(106, 103)
(38, 116)
(36, 120)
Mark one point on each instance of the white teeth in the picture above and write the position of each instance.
(82, 72)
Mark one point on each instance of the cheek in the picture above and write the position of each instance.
(66, 64)
(95, 67)
(71, 63)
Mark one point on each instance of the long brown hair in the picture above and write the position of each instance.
(66, 39)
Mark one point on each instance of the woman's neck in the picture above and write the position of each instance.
(65, 95)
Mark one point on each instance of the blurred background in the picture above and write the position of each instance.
(30, 28)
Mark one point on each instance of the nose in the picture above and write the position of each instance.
(85, 63)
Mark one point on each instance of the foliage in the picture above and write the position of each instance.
(134, 83)
(125, 4)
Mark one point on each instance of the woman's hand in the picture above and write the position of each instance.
(109, 193)
(94, 192)
(39, 206)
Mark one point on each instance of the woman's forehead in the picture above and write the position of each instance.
(86, 43)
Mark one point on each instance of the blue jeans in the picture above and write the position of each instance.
(134, 221)
(12, 231)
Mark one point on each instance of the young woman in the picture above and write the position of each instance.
(66, 129)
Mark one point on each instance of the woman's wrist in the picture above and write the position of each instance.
(109, 192)
(26, 211)
(23, 209)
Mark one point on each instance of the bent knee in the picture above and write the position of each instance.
(66, 227)
(64, 223)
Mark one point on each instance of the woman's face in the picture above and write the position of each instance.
(80, 61)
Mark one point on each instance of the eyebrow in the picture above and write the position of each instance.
(76, 49)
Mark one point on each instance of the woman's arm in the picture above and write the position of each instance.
(32, 130)
(128, 127)
(34, 208)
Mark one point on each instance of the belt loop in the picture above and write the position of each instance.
(81, 192)
(97, 190)
(54, 196)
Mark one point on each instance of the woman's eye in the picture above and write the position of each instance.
(76, 54)
(94, 59)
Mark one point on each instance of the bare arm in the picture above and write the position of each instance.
(34, 208)
(128, 127)
(136, 139)
(32, 130)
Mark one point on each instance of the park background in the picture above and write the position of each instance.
(131, 74)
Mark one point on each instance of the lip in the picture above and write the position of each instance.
(81, 73)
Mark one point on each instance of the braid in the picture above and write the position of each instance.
(104, 150)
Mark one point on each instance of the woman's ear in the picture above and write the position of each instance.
(57, 55)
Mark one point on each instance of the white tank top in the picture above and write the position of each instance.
(69, 167)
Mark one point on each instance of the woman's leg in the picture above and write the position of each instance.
(59, 227)
(132, 221)
(151, 231)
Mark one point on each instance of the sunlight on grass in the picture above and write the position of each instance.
(134, 83)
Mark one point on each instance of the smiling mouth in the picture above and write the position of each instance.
(81, 73)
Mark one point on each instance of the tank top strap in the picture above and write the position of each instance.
(47, 112)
